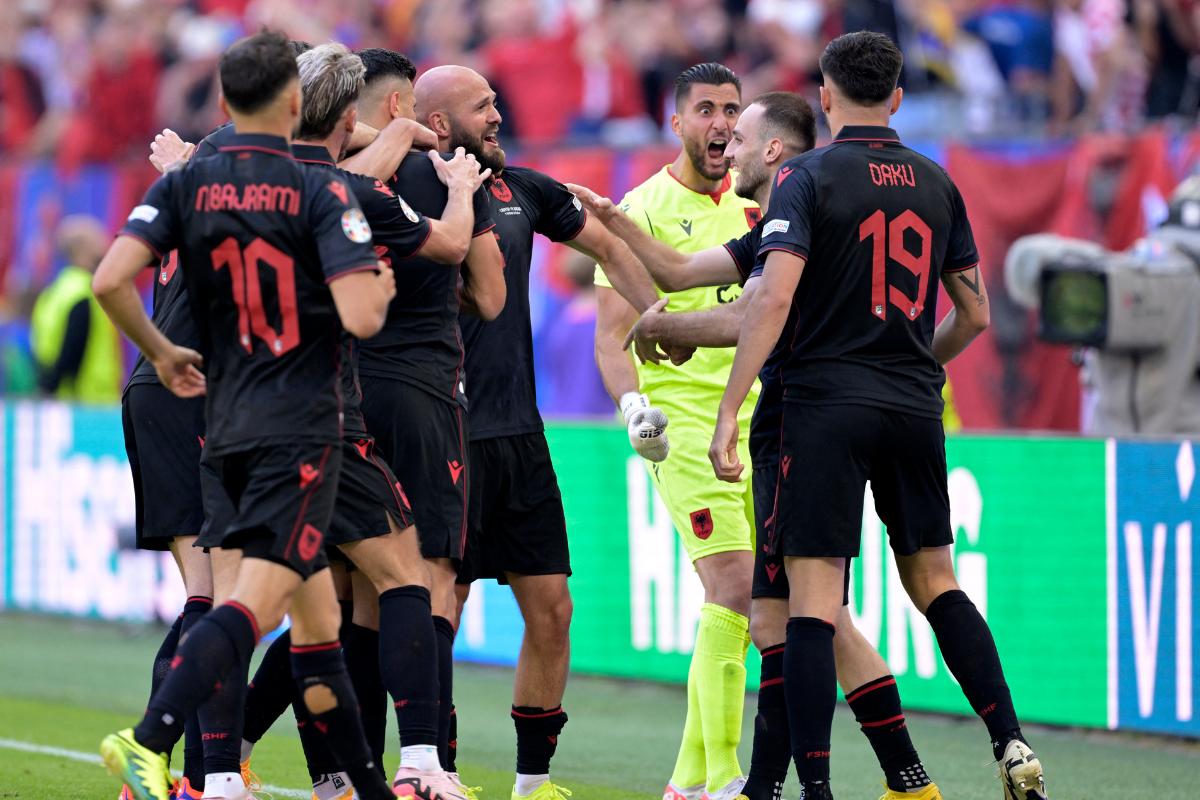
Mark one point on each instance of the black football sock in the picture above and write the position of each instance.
(876, 706)
(317, 758)
(810, 684)
(164, 656)
(221, 721)
(451, 762)
(361, 650)
(970, 652)
(218, 643)
(772, 751)
(537, 737)
(271, 689)
(328, 697)
(445, 673)
(407, 661)
(193, 744)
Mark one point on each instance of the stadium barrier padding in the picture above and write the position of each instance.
(1080, 553)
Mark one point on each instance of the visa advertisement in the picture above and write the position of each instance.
(1080, 553)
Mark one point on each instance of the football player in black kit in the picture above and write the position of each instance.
(274, 256)
(855, 238)
(158, 432)
(372, 522)
(771, 131)
(412, 380)
(517, 528)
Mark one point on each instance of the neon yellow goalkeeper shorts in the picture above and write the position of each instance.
(711, 515)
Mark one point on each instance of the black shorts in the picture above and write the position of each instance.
(517, 520)
(770, 578)
(368, 493)
(820, 506)
(273, 502)
(164, 435)
(423, 440)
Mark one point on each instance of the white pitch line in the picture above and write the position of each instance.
(92, 758)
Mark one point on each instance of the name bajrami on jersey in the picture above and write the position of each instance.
(878, 225)
(259, 238)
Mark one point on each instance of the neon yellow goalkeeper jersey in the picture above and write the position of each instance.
(690, 221)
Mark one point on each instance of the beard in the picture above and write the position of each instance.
(698, 154)
(489, 157)
(748, 182)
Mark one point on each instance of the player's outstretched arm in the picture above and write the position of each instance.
(717, 326)
(113, 285)
(969, 317)
(761, 326)
(450, 237)
(484, 291)
(645, 424)
(381, 158)
(622, 268)
(362, 299)
(672, 270)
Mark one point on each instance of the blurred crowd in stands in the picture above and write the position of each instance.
(90, 80)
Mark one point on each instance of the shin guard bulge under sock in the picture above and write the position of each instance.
(360, 648)
(771, 755)
(408, 663)
(721, 643)
(445, 673)
(223, 640)
(970, 652)
(320, 674)
(810, 682)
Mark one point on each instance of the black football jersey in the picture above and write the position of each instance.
(878, 224)
(171, 312)
(394, 226)
(764, 425)
(259, 238)
(420, 343)
(500, 378)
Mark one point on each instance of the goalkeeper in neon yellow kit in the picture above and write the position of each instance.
(690, 205)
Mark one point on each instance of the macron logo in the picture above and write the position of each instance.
(776, 226)
(783, 175)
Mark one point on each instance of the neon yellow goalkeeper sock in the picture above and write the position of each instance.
(721, 655)
(689, 764)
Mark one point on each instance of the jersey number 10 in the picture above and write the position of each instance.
(247, 292)
(887, 241)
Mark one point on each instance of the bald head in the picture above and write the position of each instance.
(458, 104)
(82, 240)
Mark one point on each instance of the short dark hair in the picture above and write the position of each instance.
(864, 65)
(383, 63)
(708, 74)
(300, 48)
(254, 70)
(789, 117)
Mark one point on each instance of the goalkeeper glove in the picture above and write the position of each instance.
(647, 426)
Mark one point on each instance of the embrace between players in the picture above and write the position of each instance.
(361, 329)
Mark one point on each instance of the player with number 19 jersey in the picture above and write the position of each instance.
(260, 237)
(878, 225)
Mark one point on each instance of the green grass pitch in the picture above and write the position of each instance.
(64, 684)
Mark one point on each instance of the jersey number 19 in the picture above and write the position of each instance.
(887, 241)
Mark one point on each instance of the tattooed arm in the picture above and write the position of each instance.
(967, 319)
